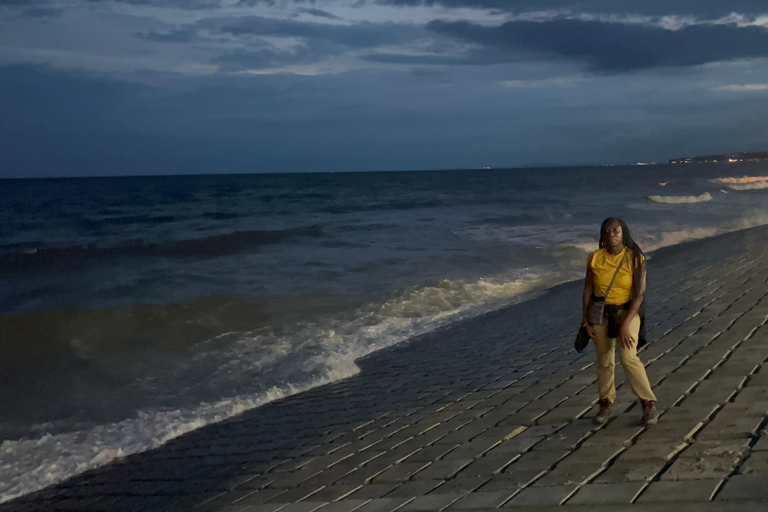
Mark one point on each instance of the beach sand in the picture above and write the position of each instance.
(495, 411)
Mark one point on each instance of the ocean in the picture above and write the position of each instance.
(134, 309)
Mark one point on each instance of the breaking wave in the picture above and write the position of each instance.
(324, 351)
(706, 196)
(758, 185)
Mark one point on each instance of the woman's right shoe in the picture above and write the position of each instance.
(650, 415)
(604, 413)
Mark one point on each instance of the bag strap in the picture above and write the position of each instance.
(608, 290)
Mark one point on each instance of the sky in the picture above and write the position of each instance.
(122, 87)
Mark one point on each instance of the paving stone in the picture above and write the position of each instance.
(514, 446)
(653, 451)
(304, 506)
(743, 488)
(384, 505)
(362, 475)
(757, 462)
(442, 469)
(229, 498)
(265, 507)
(762, 443)
(561, 415)
(344, 506)
(512, 480)
(598, 494)
(728, 448)
(570, 474)
(535, 496)
(253, 496)
(290, 480)
(685, 491)
(538, 459)
(472, 449)
(414, 488)
(488, 465)
(430, 502)
(706, 467)
(481, 500)
(684, 430)
(502, 433)
(460, 485)
(631, 470)
(731, 427)
(328, 476)
(231, 508)
(334, 492)
(400, 472)
(294, 495)
(372, 491)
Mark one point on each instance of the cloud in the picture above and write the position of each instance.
(743, 88)
(191, 5)
(318, 13)
(704, 8)
(360, 35)
(613, 47)
(304, 42)
(184, 34)
(469, 59)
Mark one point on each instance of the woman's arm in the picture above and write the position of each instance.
(588, 291)
(638, 286)
(589, 286)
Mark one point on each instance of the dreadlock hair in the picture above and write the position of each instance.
(629, 243)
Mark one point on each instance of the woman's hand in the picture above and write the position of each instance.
(626, 336)
(591, 331)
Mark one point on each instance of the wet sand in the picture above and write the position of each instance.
(495, 412)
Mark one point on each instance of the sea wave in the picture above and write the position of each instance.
(706, 196)
(758, 185)
(62, 257)
(324, 352)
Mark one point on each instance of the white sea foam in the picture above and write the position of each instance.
(651, 238)
(587, 247)
(652, 241)
(706, 196)
(758, 185)
(30, 464)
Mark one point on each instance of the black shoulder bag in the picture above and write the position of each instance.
(595, 311)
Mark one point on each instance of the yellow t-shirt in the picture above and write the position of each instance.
(604, 264)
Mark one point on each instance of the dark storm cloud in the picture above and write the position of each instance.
(317, 12)
(469, 59)
(317, 41)
(176, 4)
(361, 35)
(185, 34)
(613, 47)
(706, 8)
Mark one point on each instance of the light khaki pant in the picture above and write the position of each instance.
(633, 367)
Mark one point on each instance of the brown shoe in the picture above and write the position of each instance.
(650, 414)
(603, 413)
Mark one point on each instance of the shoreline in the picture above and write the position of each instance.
(394, 356)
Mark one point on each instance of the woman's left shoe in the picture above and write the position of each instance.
(650, 414)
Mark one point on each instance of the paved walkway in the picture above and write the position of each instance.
(496, 412)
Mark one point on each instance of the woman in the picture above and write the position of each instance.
(623, 316)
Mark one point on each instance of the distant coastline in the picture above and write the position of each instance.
(756, 156)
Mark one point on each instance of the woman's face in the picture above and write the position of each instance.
(614, 237)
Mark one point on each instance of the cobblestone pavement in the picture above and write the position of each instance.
(495, 412)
